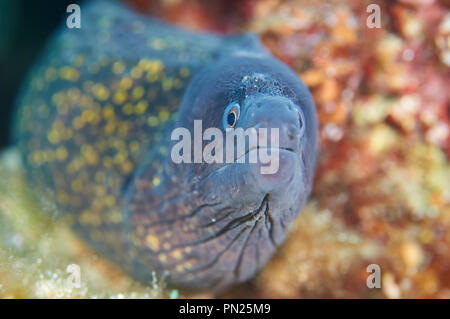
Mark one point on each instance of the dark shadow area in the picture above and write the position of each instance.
(24, 29)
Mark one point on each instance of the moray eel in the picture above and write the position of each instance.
(94, 125)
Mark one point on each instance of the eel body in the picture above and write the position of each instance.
(94, 126)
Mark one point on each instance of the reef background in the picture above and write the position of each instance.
(382, 189)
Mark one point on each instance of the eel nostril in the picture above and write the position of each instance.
(291, 131)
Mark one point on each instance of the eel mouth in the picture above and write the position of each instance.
(288, 149)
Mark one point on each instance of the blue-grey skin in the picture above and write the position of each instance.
(94, 127)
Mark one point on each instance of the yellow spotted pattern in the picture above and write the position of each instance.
(94, 107)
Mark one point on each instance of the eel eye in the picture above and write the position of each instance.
(301, 120)
(231, 115)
